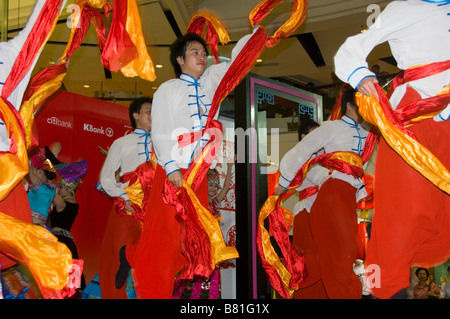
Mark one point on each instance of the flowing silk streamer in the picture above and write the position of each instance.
(286, 279)
(297, 17)
(142, 65)
(403, 141)
(119, 48)
(15, 161)
(125, 48)
(39, 35)
(214, 32)
(48, 260)
(49, 80)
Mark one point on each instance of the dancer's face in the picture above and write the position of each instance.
(144, 117)
(195, 60)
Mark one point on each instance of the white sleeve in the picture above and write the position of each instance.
(163, 127)
(108, 173)
(350, 60)
(296, 157)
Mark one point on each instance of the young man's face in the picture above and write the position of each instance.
(144, 118)
(195, 60)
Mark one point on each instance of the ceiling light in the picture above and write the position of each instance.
(259, 60)
(159, 66)
(86, 86)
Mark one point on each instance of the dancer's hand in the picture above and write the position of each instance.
(367, 86)
(176, 178)
(280, 190)
(128, 206)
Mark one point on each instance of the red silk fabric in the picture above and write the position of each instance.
(145, 173)
(402, 116)
(119, 49)
(38, 36)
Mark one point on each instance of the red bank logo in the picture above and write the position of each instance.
(56, 121)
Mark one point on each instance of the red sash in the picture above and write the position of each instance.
(140, 183)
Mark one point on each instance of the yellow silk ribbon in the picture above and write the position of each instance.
(269, 206)
(218, 27)
(270, 255)
(415, 154)
(98, 4)
(49, 261)
(134, 191)
(297, 17)
(142, 66)
(38, 97)
(219, 250)
(14, 163)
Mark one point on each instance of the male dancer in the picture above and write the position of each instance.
(333, 218)
(411, 222)
(180, 106)
(131, 154)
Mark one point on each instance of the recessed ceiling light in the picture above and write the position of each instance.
(259, 60)
(159, 66)
(86, 86)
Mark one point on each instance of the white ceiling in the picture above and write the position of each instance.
(329, 21)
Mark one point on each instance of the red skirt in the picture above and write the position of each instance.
(334, 228)
(157, 257)
(312, 287)
(121, 230)
(411, 222)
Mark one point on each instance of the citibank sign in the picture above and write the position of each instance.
(56, 121)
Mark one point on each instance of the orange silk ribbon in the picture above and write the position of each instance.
(125, 49)
(142, 65)
(214, 32)
(297, 17)
(14, 163)
(140, 182)
(403, 141)
(49, 260)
